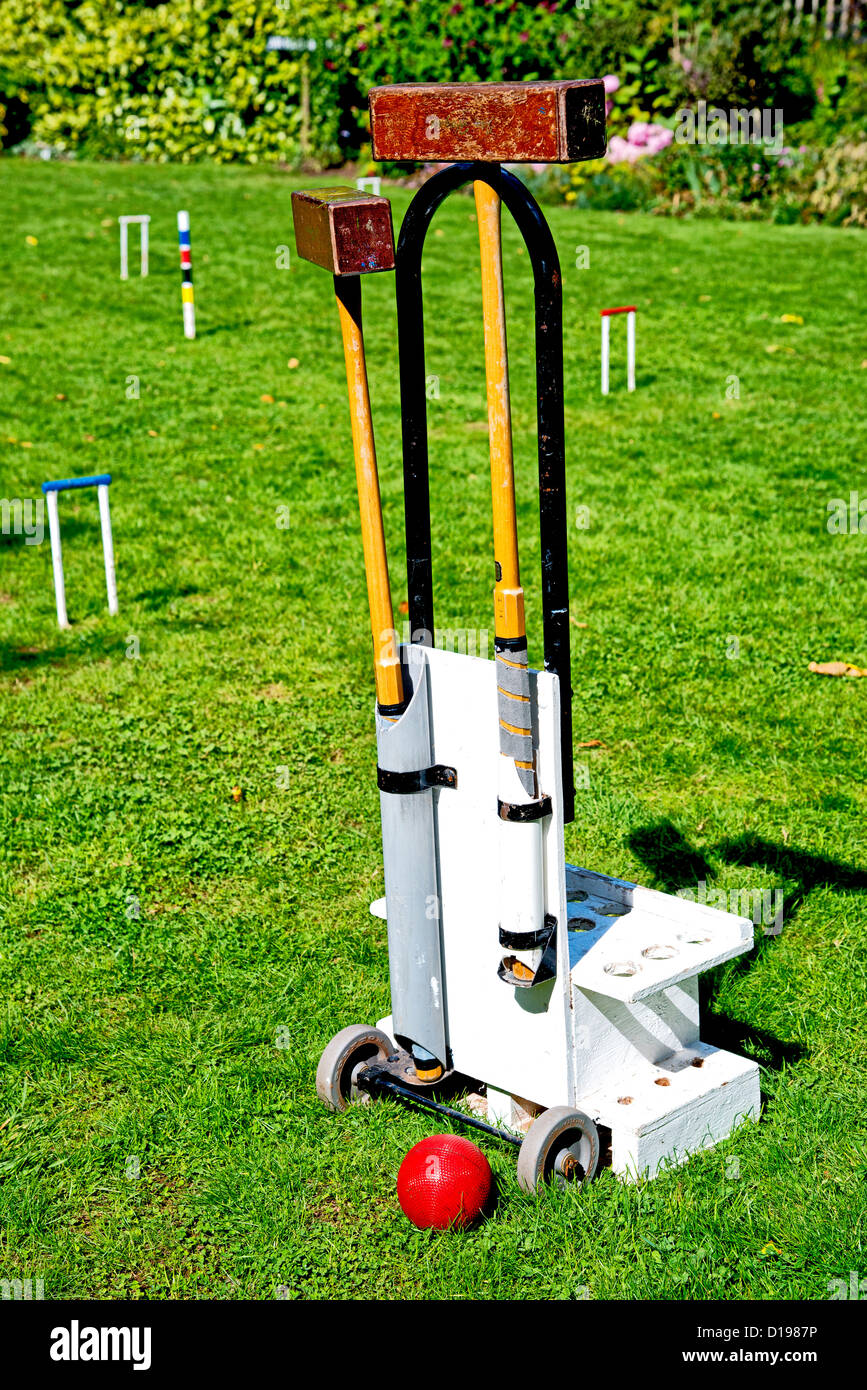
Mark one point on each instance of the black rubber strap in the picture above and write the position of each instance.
(392, 711)
(524, 811)
(408, 783)
(525, 940)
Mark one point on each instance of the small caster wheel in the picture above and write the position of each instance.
(349, 1050)
(562, 1146)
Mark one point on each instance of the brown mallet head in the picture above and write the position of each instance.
(344, 231)
(502, 122)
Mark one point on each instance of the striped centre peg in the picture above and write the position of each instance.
(187, 304)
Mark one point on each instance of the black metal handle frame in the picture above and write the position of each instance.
(548, 294)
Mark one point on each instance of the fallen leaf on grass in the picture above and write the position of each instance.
(835, 668)
(5, 360)
(293, 363)
(791, 318)
(267, 400)
(575, 623)
(31, 241)
(592, 743)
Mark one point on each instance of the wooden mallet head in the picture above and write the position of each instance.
(500, 122)
(344, 231)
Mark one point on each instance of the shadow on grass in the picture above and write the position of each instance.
(18, 661)
(618, 387)
(223, 328)
(158, 598)
(672, 860)
(799, 866)
(71, 527)
(675, 863)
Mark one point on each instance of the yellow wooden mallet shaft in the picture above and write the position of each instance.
(508, 595)
(513, 677)
(389, 681)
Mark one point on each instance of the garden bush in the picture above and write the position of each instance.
(191, 79)
(194, 79)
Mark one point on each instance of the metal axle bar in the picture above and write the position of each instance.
(372, 1080)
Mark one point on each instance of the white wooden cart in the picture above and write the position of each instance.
(596, 1033)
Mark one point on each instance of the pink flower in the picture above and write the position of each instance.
(657, 137)
(649, 137)
(456, 9)
(610, 83)
(448, 43)
(645, 137)
(524, 37)
(620, 151)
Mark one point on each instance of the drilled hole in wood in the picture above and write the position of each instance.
(624, 1100)
(575, 895)
(621, 968)
(581, 924)
(662, 1081)
(693, 938)
(659, 952)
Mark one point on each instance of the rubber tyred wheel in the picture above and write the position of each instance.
(561, 1146)
(349, 1050)
(444, 1181)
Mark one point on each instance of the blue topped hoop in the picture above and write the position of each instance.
(64, 484)
(50, 489)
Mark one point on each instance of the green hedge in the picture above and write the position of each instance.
(187, 80)
(192, 79)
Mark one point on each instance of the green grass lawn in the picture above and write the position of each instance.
(173, 961)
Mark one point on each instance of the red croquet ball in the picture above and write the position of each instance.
(444, 1181)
